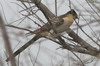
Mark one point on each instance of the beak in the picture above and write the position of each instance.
(77, 17)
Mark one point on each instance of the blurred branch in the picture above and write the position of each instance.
(7, 42)
(93, 9)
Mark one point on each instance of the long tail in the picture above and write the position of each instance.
(25, 46)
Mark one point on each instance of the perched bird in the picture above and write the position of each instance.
(52, 30)
(59, 27)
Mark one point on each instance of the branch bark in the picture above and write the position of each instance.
(7, 42)
(92, 50)
(47, 13)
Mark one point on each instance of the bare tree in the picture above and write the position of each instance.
(76, 44)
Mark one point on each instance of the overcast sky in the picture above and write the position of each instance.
(10, 10)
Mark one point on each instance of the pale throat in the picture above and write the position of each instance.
(68, 20)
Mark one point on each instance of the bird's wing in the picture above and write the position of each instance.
(47, 27)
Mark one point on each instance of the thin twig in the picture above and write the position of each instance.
(56, 7)
(19, 28)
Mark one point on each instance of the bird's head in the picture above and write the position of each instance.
(73, 13)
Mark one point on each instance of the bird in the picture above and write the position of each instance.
(59, 27)
(48, 30)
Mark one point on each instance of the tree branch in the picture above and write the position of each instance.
(83, 43)
(47, 13)
(7, 42)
